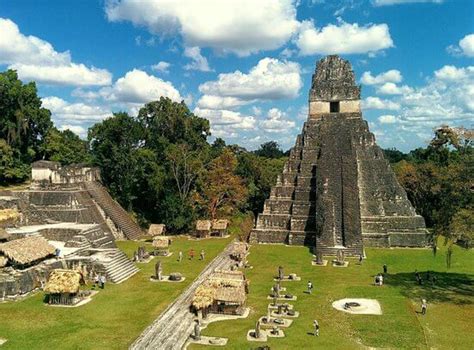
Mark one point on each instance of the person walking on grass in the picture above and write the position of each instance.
(360, 259)
(202, 255)
(180, 256)
(191, 254)
(102, 281)
(310, 287)
(385, 269)
(316, 328)
(423, 306)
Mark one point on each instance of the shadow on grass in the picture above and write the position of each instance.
(455, 288)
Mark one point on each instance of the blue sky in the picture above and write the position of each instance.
(246, 65)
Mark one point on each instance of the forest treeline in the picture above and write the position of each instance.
(161, 167)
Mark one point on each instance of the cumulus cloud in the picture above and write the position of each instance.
(270, 79)
(398, 2)
(65, 112)
(161, 66)
(372, 102)
(393, 89)
(77, 129)
(276, 122)
(199, 62)
(452, 73)
(388, 119)
(36, 59)
(343, 38)
(231, 120)
(390, 76)
(465, 47)
(139, 87)
(240, 26)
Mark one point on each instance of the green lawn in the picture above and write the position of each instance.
(115, 317)
(447, 325)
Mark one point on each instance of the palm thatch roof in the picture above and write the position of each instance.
(239, 248)
(220, 224)
(203, 225)
(226, 286)
(27, 250)
(161, 242)
(9, 214)
(63, 281)
(156, 229)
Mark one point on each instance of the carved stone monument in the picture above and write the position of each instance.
(337, 190)
(158, 270)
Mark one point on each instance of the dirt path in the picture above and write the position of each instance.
(173, 327)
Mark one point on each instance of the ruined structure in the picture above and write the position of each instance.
(65, 219)
(337, 191)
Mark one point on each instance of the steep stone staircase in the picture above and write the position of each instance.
(118, 267)
(112, 209)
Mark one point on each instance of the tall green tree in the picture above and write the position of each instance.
(24, 123)
(114, 144)
(65, 147)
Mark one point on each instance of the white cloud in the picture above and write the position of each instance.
(467, 45)
(77, 129)
(398, 2)
(388, 119)
(161, 66)
(276, 122)
(372, 102)
(36, 59)
(138, 87)
(270, 79)
(344, 38)
(390, 76)
(393, 89)
(66, 112)
(240, 26)
(230, 119)
(199, 62)
(452, 73)
(219, 102)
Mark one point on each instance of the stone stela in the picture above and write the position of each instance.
(337, 191)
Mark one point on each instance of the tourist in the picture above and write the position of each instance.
(57, 253)
(360, 259)
(316, 328)
(423, 306)
(202, 255)
(385, 269)
(380, 280)
(310, 287)
(102, 281)
(96, 280)
(377, 280)
(191, 254)
(180, 256)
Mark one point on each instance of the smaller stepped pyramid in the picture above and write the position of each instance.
(337, 191)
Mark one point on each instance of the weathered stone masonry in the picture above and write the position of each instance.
(337, 191)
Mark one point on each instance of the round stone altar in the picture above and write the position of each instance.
(358, 306)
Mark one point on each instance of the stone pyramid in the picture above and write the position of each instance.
(337, 191)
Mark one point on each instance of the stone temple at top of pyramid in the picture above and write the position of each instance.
(337, 191)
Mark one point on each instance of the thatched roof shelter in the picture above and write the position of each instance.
(225, 286)
(157, 229)
(203, 225)
(63, 281)
(161, 242)
(27, 250)
(220, 224)
(9, 215)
